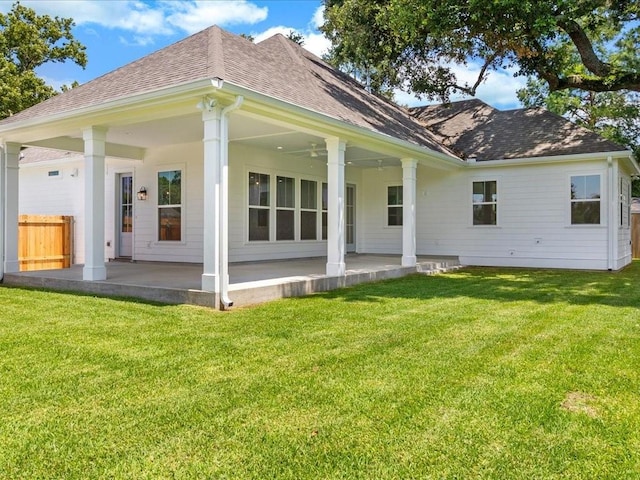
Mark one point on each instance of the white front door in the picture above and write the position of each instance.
(125, 215)
(350, 207)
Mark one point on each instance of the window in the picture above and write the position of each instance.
(394, 206)
(585, 199)
(485, 202)
(285, 208)
(170, 205)
(308, 210)
(325, 207)
(625, 203)
(259, 202)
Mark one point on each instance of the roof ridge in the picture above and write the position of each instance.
(215, 53)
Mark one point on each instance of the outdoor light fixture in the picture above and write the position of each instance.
(142, 193)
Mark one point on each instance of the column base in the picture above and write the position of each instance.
(12, 266)
(409, 260)
(336, 269)
(93, 274)
(210, 282)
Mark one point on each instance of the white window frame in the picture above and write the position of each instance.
(496, 202)
(625, 203)
(268, 208)
(600, 200)
(304, 209)
(182, 204)
(398, 205)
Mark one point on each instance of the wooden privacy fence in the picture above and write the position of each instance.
(45, 242)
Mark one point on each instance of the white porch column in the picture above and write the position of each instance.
(94, 203)
(2, 211)
(335, 208)
(12, 157)
(211, 116)
(409, 166)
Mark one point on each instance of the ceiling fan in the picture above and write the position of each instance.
(313, 151)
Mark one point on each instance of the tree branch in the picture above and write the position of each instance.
(584, 46)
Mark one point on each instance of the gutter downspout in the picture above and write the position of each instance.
(3, 204)
(610, 214)
(225, 301)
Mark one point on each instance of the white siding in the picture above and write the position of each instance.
(534, 226)
(242, 160)
(533, 210)
(42, 194)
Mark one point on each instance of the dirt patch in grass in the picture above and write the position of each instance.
(580, 402)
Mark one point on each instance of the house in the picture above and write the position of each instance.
(217, 150)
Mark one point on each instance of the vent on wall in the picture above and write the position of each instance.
(54, 173)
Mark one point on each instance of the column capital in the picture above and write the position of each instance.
(12, 148)
(335, 143)
(409, 162)
(94, 132)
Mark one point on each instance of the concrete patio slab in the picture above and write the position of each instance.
(250, 283)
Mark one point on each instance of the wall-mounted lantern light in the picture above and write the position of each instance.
(142, 193)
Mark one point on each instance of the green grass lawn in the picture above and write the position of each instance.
(482, 373)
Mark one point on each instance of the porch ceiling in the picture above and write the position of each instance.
(243, 129)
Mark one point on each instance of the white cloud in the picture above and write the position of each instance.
(318, 18)
(159, 18)
(314, 41)
(197, 15)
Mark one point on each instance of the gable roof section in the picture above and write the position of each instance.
(276, 67)
(473, 128)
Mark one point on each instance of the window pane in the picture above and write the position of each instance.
(308, 226)
(308, 194)
(170, 223)
(284, 225)
(394, 195)
(324, 225)
(285, 192)
(169, 187)
(127, 223)
(127, 189)
(259, 189)
(585, 213)
(585, 187)
(258, 224)
(484, 215)
(325, 196)
(394, 217)
(485, 192)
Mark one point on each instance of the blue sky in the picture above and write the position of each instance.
(117, 32)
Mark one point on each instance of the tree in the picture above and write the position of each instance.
(411, 44)
(296, 37)
(614, 115)
(28, 40)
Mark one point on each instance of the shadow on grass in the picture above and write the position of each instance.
(508, 284)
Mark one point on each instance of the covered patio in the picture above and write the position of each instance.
(250, 282)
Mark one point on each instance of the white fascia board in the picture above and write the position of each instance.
(154, 97)
(602, 156)
(333, 127)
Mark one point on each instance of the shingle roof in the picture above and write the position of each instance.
(33, 155)
(473, 128)
(276, 67)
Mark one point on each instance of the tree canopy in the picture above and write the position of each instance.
(28, 40)
(413, 43)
